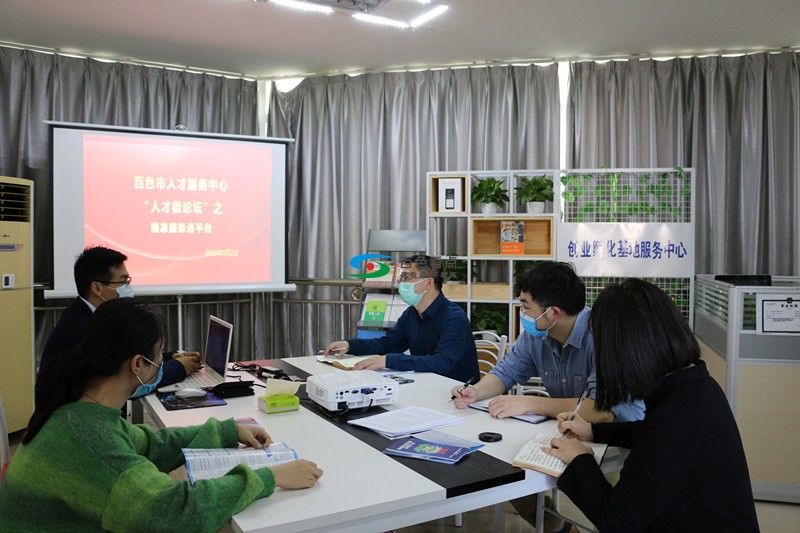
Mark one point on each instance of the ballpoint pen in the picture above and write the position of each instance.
(580, 401)
(569, 433)
(338, 350)
(464, 386)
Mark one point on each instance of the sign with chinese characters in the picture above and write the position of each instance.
(778, 313)
(628, 249)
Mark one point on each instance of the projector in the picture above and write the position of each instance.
(351, 389)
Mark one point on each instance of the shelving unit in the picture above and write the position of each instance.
(472, 240)
(610, 223)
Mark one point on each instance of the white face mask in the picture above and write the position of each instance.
(125, 291)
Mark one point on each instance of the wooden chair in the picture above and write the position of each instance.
(491, 348)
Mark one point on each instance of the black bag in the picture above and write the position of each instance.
(233, 389)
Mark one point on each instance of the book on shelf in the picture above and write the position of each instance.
(533, 457)
(386, 281)
(375, 310)
(390, 306)
(512, 237)
(209, 463)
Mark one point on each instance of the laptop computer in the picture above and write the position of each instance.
(215, 358)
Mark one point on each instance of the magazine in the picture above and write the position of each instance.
(205, 463)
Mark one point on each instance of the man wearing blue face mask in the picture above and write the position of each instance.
(101, 276)
(435, 330)
(556, 345)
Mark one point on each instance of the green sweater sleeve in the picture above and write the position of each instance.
(163, 448)
(143, 498)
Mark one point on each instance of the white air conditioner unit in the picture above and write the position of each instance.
(16, 300)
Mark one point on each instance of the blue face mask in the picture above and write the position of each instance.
(146, 388)
(407, 294)
(529, 325)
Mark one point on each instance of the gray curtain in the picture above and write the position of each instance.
(35, 87)
(736, 120)
(364, 145)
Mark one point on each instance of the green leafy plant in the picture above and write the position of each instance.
(454, 270)
(486, 317)
(489, 190)
(520, 267)
(536, 189)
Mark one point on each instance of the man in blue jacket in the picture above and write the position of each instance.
(101, 275)
(435, 331)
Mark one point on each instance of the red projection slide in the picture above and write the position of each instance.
(178, 208)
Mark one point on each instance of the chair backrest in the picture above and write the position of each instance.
(491, 347)
(5, 451)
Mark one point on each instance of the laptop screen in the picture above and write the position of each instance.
(218, 345)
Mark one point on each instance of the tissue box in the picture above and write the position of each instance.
(278, 403)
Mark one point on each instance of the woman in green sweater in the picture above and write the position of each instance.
(81, 467)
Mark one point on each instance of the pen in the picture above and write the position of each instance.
(467, 384)
(342, 349)
(580, 401)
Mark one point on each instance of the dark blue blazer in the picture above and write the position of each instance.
(71, 328)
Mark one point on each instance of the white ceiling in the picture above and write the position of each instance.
(263, 40)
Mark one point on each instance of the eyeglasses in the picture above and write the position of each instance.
(126, 281)
(524, 312)
(411, 277)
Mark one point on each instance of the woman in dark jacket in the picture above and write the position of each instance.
(686, 470)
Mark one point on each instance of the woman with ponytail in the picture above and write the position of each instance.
(83, 468)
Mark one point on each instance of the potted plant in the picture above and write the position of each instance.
(489, 192)
(488, 318)
(534, 192)
(454, 271)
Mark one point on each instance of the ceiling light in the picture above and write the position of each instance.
(382, 21)
(422, 19)
(303, 6)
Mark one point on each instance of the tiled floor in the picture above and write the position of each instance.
(772, 517)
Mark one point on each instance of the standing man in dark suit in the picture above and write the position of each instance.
(100, 276)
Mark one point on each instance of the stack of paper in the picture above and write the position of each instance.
(403, 422)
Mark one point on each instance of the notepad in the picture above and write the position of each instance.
(533, 457)
(347, 363)
(483, 405)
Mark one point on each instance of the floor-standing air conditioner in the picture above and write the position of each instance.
(17, 361)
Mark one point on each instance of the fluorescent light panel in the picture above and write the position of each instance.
(430, 15)
(303, 6)
(381, 21)
(365, 17)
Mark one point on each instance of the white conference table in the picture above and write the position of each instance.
(362, 489)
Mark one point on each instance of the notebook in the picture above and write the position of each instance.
(215, 358)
